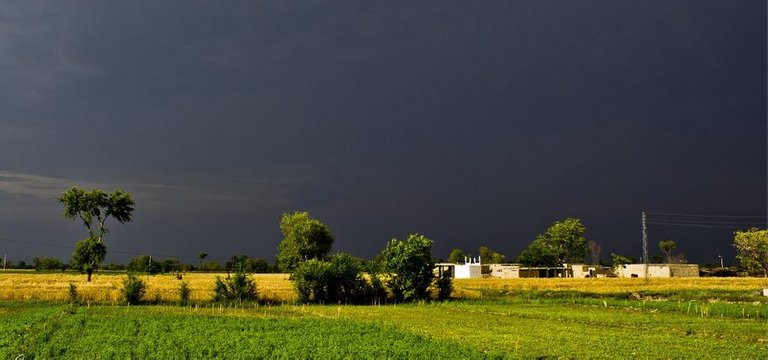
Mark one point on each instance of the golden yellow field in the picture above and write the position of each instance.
(470, 288)
(105, 287)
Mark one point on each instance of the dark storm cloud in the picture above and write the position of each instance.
(475, 123)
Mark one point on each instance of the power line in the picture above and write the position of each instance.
(709, 215)
(696, 225)
(706, 221)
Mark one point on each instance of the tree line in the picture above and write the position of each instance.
(407, 265)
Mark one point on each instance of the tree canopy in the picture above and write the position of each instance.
(667, 247)
(456, 256)
(488, 256)
(87, 205)
(410, 266)
(563, 242)
(752, 247)
(99, 205)
(304, 238)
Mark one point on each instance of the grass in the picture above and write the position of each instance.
(512, 318)
(50, 331)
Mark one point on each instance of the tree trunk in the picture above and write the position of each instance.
(89, 272)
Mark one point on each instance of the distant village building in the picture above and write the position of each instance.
(514, 271)
(473, 269)
(470, 269)
(591, 271)
(658, 270)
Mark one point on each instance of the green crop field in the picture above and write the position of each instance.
(515, 318)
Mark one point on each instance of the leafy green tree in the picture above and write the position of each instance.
(47, 263)
(562, 243)
(140, 263)
(240, 264)
(410, 267)
(202, 257)
(304, 238)
(619, 260)
(259, 266)
(89, 206)
(488, 256)
(667, 247)
(752, 247)
(88, 254)
(456, 256)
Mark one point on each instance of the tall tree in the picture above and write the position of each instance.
(304, 238)
(667, 247)
(456, 256)
(202, 257)
(89, 206)
(752, 246)
(563, 242)
(410, 266)
(488, 256)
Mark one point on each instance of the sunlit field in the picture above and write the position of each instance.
(507, 318)
(476, 288)
(105, 287)
(277, 288)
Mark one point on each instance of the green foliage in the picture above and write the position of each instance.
(211, 266)
(53, 332)
(562, 243)
(259, 266)
(147, 264)
(488, 256)
(444, 286)
(667, 247)
(240, 264)
(47, 263)
(237, 288)
(87, 205)
(184, 292)
(752, 247)
(619, 260)
(456, 256)
(133, 289)
(304, 238)
(409, 266)
(73, 298)
(88, 254)
(338, 280)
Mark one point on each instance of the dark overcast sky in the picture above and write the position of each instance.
(473, 122)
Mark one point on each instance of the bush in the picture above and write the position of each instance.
(444, 286)
(184, 293)
(73, 293)
(339, 280)
(410, 267)
(237, 288)
(133, 289)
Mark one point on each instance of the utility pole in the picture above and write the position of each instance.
(5, 260)
(645, 247)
